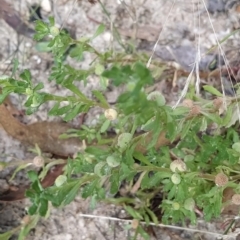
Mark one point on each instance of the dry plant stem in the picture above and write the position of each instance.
(152, 224)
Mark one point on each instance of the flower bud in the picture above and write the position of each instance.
(187, 103)
(110, 114)
(176, 178)
(176, 206)
(218, 103)
(123, 140)
(189, 204)
(38, 161)
(25, 220)
(178, 165)
(195, 110)
(60, 180)
(236, 199)
(54, 31)
(221, 179)
(157, 97)
(113, 161)
(135, 224)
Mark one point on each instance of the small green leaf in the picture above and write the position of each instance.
(139, 156)
(105, 126)
(72, 193)
(39, 36)
(63, 110)
(212, 90)
(43, 207)
(115, 183)
(15, 65)
(99, 31)
(214, 117)
(42, 47)
(26, 75)
(54, 110)
(101, 98)
(73, 113)
(38, 87)
(90, 189)
(33, 209)
(228, 115)
(32, 175)
(152, 215)
(51, 21)
(134, 213)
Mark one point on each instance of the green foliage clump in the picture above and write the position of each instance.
(149, 136)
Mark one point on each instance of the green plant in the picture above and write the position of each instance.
(156, 149)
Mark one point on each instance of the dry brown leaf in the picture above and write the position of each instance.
(19, 193)
(44, 134)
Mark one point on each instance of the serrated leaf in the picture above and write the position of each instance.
(180, 111)
(63, 110)
(152, 215)
(185, 128)
(72, 193)
(54, 110)
(139, 156)
(73, 113)
(119, 75)
(214, 117)
(212, 90)
(101, 98)
(38, 87)
(89, 189)
(134, 213)
(234, 117)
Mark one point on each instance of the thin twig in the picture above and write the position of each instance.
(152, 224)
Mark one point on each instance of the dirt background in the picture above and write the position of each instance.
(181, 23)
